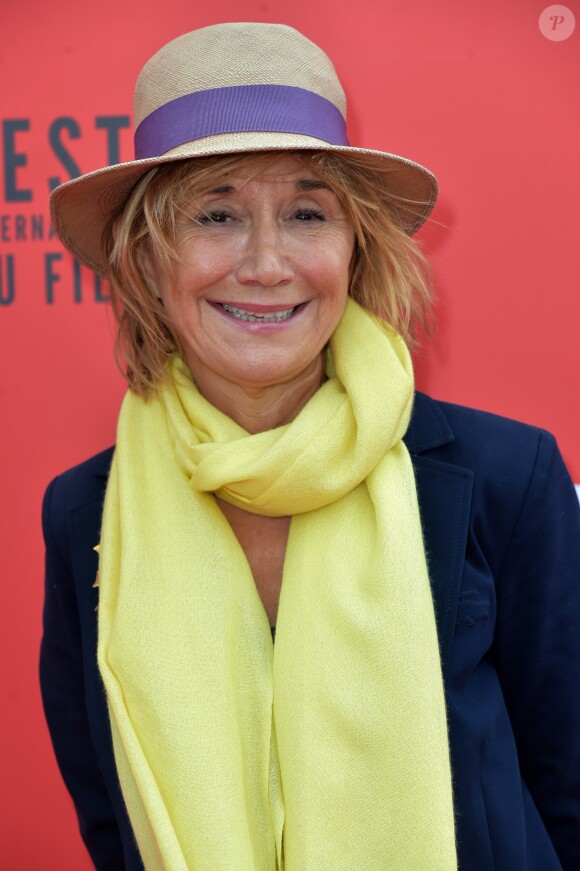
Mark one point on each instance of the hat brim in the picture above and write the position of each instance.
(82, 208)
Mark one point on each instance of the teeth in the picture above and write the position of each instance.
(244, 315)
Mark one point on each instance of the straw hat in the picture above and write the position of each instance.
(222, 89)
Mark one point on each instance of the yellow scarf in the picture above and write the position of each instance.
(327, 750)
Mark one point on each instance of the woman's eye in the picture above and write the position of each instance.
(307, 215)
(216, 217)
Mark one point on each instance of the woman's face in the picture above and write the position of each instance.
(264, 277)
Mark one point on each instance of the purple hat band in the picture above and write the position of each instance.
(239, 109)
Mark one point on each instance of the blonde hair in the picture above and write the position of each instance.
(390, 276)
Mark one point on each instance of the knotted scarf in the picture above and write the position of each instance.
(327, 750)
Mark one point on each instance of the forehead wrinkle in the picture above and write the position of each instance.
(305, 184)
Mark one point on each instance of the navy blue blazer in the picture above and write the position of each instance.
(501, 524)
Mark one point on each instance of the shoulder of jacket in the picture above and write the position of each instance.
(82, 483)
(472, 429)
(467, 418)
(502, 453)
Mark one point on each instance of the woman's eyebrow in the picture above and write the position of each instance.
(311, 184)
(223, 189)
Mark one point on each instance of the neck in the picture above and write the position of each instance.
(258, 408)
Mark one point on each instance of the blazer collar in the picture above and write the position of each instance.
(428, 428)
(103, 463)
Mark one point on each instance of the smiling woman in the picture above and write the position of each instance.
(335, 198)
(275, 471)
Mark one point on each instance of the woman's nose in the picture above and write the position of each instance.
(265, 260)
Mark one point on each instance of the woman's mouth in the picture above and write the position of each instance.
(269, 317)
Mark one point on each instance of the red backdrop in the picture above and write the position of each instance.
(474, 91)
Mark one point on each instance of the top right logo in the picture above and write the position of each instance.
(557, 23)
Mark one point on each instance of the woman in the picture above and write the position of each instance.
(267, 468)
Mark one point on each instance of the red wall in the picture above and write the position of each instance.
(472, 90)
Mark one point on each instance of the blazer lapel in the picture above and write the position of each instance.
(444, 494)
